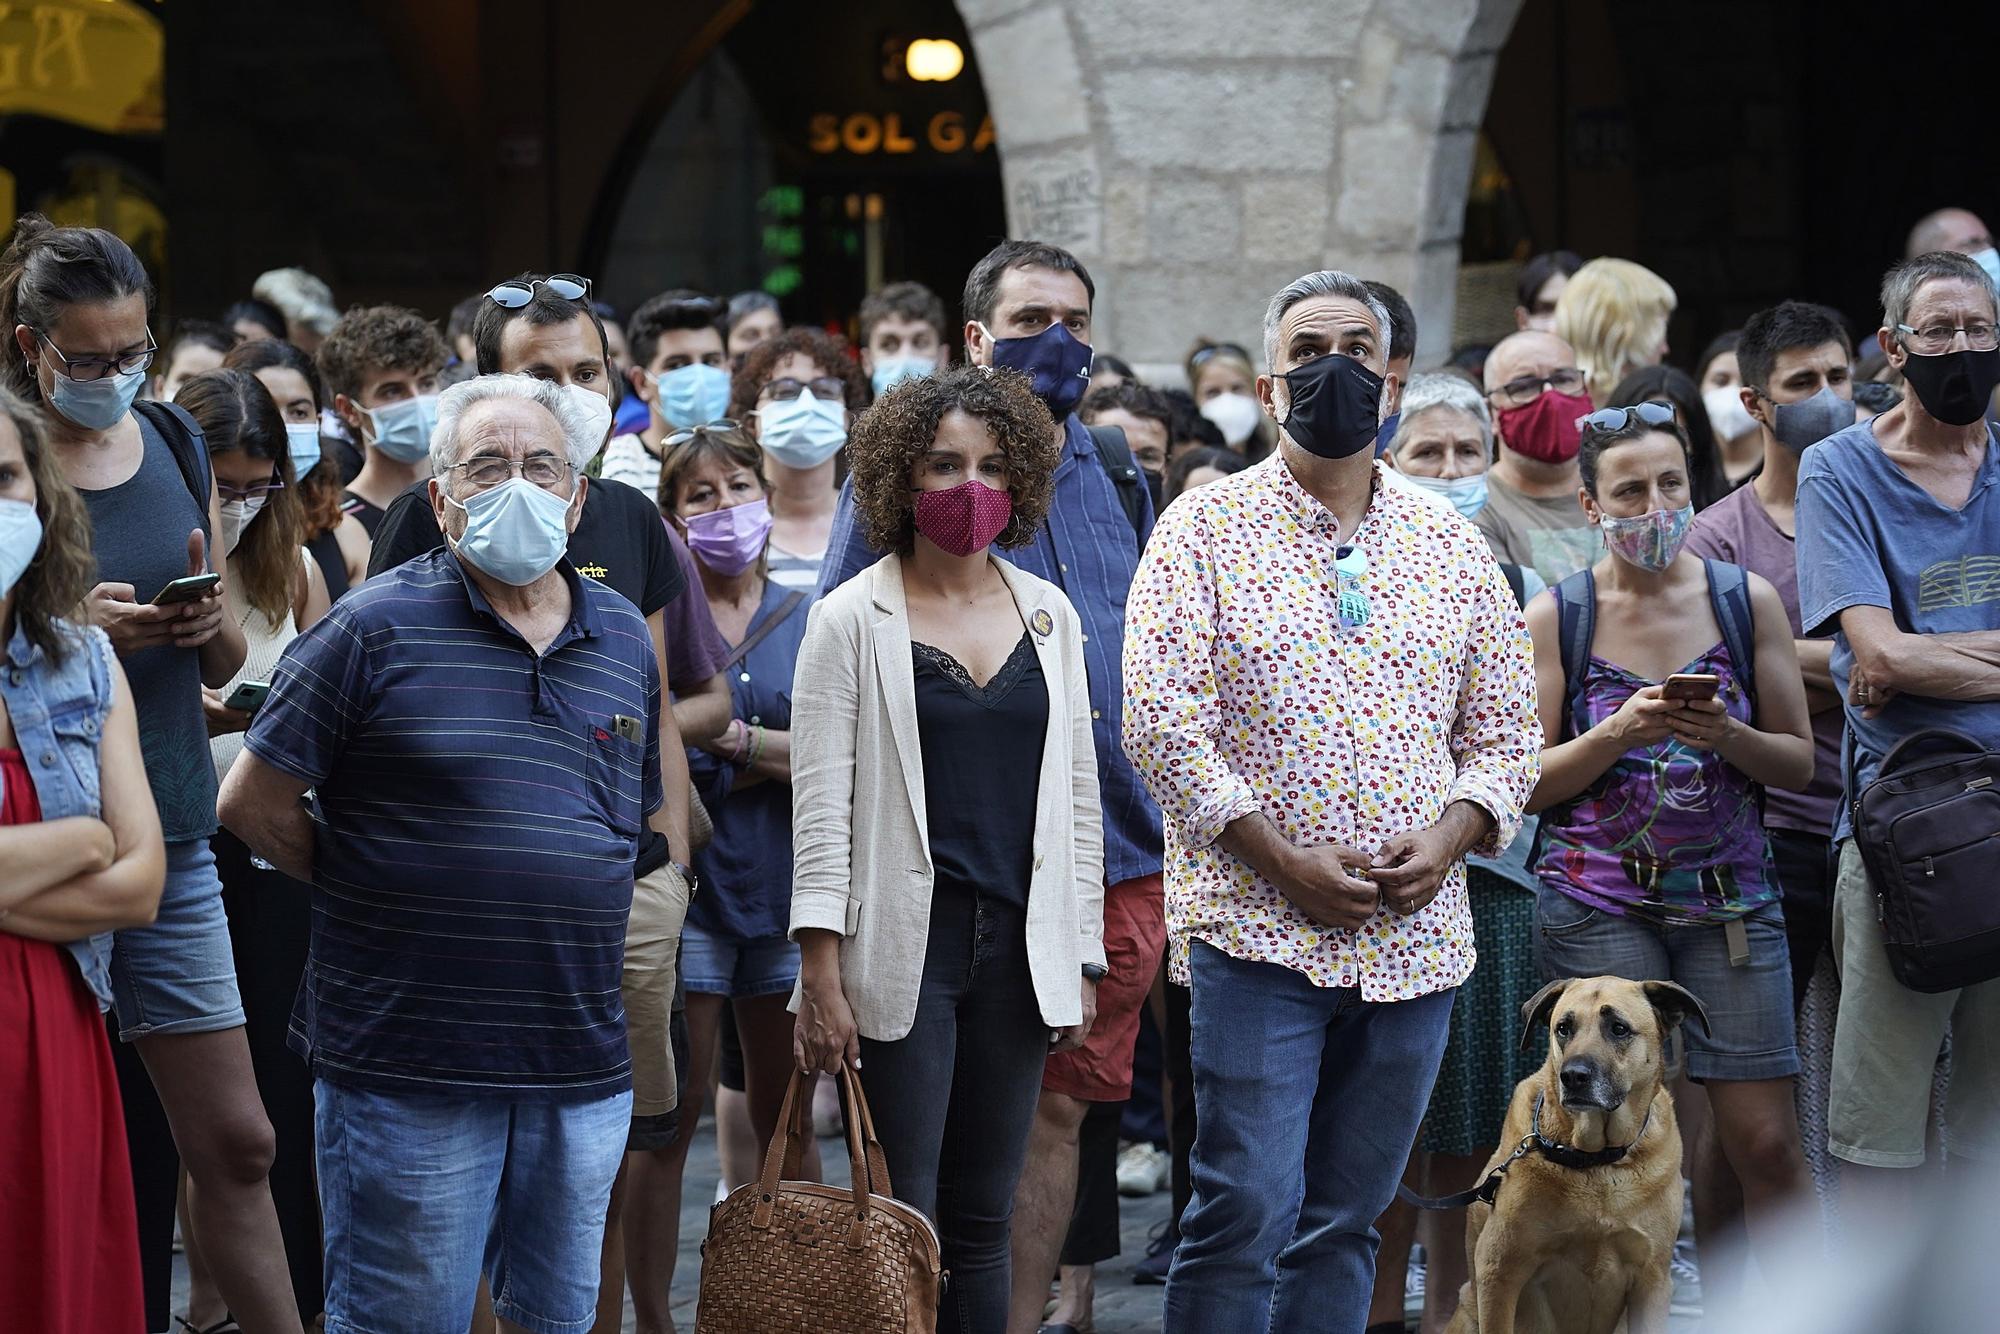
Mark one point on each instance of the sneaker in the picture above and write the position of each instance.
(1686, 1271)
(1413, 1279)
(827, 1123)
(1143, 1170)
(1151, 1268)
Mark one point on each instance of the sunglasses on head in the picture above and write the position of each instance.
(515, 294)
(685, 434)
(1617, 419)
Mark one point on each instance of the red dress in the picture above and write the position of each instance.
(69, 1241)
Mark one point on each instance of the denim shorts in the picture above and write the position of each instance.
(420, 1195)
(178, 975)
(1749, 1007)
(721, 966)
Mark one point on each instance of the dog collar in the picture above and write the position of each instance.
(1562, 1155)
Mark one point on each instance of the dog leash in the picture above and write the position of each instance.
(1562, 1155)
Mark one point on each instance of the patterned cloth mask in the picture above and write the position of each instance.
(1649, 541)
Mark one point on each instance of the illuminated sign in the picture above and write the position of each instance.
(88, 62)
(865, 133)
(934, 60)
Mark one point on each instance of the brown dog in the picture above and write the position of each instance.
(1574, 1244)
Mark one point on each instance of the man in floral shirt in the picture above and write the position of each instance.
(1330, 692)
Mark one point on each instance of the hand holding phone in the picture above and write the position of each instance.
(248, 696)
(186, 589)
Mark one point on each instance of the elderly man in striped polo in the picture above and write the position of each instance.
(479, 729)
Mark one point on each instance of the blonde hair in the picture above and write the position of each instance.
(1614, 313)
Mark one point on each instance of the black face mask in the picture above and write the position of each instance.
(1336, 402)
(1954, 387)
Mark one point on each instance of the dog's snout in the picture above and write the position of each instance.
(1578, 1076)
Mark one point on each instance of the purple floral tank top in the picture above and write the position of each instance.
(1670, 832)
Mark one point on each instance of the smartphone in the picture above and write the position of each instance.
(186, 589)
(1690, 685)
(248, 696)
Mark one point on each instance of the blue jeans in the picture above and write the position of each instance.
(954, 1100)
(1307, 1100)
(420, 1195)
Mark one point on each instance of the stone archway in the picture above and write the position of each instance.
(1200, 155)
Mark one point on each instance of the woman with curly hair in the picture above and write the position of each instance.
(797, 392)
(947, 884)
(80, 855)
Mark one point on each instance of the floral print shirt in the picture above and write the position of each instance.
(1244, 693)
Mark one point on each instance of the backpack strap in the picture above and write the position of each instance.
(1116, 453)
(189, 445)
(1576, 613)
(1729, 594)
(1518, 584)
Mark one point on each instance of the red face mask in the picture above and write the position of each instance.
(1545, 430)
(965, 518)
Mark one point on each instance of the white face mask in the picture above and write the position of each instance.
(1726, 413)
(1236, 415)
(596, 409)
(236, 517)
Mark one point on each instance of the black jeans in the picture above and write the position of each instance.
(955, 1099)
(1804, 866)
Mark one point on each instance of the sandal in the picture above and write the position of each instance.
(226, 1325)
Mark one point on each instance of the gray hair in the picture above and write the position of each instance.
(581, 436)
(300, 295)
(1901, 283)
(1326, 282)
(1439, 389)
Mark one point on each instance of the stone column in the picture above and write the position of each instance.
(1199, 155)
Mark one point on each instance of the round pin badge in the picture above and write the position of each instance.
(1043, 623)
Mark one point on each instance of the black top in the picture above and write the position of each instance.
(367, 512)
(332, 563)
(620, 541)
(982, 754)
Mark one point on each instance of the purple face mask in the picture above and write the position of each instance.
(729, 541)
(1649, 541)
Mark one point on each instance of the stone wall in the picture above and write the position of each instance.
(1199, 155)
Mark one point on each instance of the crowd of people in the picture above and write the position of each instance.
(437, 764)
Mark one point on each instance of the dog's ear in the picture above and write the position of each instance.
(1675, 1004)
(1535, 1012)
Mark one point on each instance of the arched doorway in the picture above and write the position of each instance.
(815, 157)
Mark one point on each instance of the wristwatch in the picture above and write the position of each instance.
(1095, 971)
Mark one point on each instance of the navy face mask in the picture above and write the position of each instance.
(1053, 359)
(1335, 403)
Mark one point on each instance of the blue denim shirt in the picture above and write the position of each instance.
(1086, 547)
(58, 710)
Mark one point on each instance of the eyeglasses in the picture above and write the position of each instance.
(785, 390)
(1617, 419)
(687, 433)
(96, 368)
(1349, 564)
(514, 295)
(265, 488)
(540, 469)
(1520, 392)
(1932, 339)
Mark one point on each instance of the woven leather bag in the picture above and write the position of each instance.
(797, 1257)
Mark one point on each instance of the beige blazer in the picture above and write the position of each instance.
(861, 846)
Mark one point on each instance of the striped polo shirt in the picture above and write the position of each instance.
(478, 808)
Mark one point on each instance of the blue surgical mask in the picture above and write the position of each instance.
(1386, 432)
(892, 371)
(403, 430)
(95, 405)
(302, 439)
(693, 395)
(20, 539)
(802, 432)
(1467, 495)
(1055, 360)
(1989, 260)
(516, 531)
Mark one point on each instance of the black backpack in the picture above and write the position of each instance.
(189, 445)
(1929, 832)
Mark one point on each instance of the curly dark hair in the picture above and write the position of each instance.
(817, 344)
(889, 438)
(378, 338)
(64, 567)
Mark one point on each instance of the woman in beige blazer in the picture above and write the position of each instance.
(947, 888)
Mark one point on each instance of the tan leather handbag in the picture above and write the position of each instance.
(796, 1257)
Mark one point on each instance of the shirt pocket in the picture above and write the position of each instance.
(614, 777)
(78, 733)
